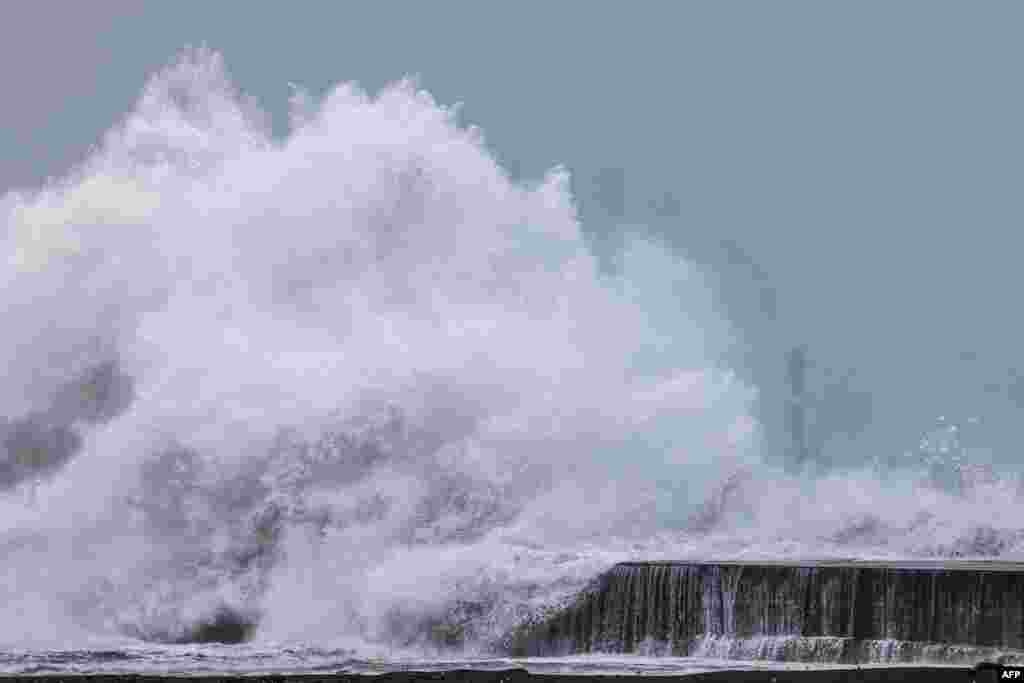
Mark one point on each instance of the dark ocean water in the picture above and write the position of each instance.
(246, 660)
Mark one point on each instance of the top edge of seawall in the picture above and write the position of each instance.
(852, 563)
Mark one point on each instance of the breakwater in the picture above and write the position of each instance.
(843, 611)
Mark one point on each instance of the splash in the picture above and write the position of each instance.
(310, 378)
(357, 385)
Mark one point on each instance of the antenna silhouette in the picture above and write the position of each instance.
(796, 403)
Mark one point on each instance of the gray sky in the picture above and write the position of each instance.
(851, 172)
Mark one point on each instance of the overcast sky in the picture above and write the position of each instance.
(851, 171)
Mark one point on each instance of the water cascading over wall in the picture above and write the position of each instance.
(847, 607)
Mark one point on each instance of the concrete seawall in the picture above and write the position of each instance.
(834, 610)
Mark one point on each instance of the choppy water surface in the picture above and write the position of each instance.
(236, 659)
